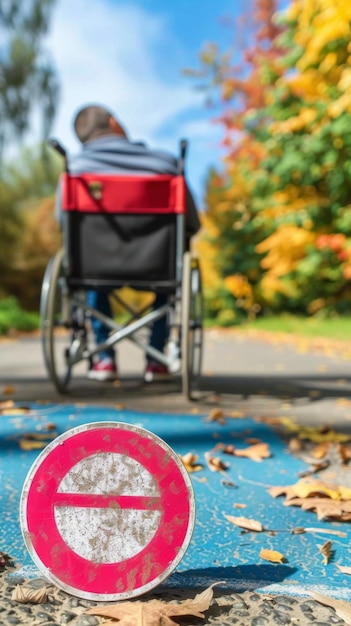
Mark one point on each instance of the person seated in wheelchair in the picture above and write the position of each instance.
(107, 149)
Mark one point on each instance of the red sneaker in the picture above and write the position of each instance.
(103, 369)
(156, 372)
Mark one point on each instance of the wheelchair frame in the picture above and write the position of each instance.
(65, 314)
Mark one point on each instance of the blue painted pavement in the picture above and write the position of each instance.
(218, 549)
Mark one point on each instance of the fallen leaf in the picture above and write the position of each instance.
(305, 488)
(239, 505)
(321, 450)
(49, 426)
(154, 612)
(344, 452)
(317, 434)
(18, 410)
(215, 464)
(36, 441)
(189, 462)
(257, 452)
(6, 404)
(227, 483)
(8, 390)
(5, 560)
(322, 434)
(24, 594)
(341, 608)
(216, 415)
(295, 445)
(326, 551)
(345, 569)
(272, 555)
(314, 469)
(324, 508)
(245, 522)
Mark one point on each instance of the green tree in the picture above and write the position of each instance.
(28, 80)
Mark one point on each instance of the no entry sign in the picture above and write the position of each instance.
(107, 511)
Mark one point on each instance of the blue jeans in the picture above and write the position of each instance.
(99, 300)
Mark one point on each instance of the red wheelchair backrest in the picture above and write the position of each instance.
(108, 193)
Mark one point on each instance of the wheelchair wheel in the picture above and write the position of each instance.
(56, 337)
(191, 325)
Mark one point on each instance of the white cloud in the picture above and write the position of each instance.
(111, 53)
(107, 53)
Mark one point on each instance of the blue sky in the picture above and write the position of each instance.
(129, 56)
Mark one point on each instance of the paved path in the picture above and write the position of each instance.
(246, 377)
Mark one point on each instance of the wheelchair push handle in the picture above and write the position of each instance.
(55, 144)
(181, 162)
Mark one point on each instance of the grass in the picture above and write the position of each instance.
(335, 328)
(13, 318)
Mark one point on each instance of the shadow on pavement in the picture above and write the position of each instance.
(234, 579)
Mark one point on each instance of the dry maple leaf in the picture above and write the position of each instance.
(272, 555)
(324, 508)
(245, 522)
(189, 461)
(154, 612)
(215, 464)
(341, 608)
(216, 415)
(326, 551)
(256, 452)
(305, 488)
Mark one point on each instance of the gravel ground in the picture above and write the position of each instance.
(241, 609)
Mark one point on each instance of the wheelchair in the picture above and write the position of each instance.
(120, 231)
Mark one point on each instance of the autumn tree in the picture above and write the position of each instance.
(231, 230)
(280, 211)
(308, 256)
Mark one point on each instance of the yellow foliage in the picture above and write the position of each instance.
(293, 199)
(340, 105)
(284, 249)
(271, 285)
(319, 23)
(305, 117)
(207, 252)
(240, 287)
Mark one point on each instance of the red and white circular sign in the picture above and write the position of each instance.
(107, 511)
